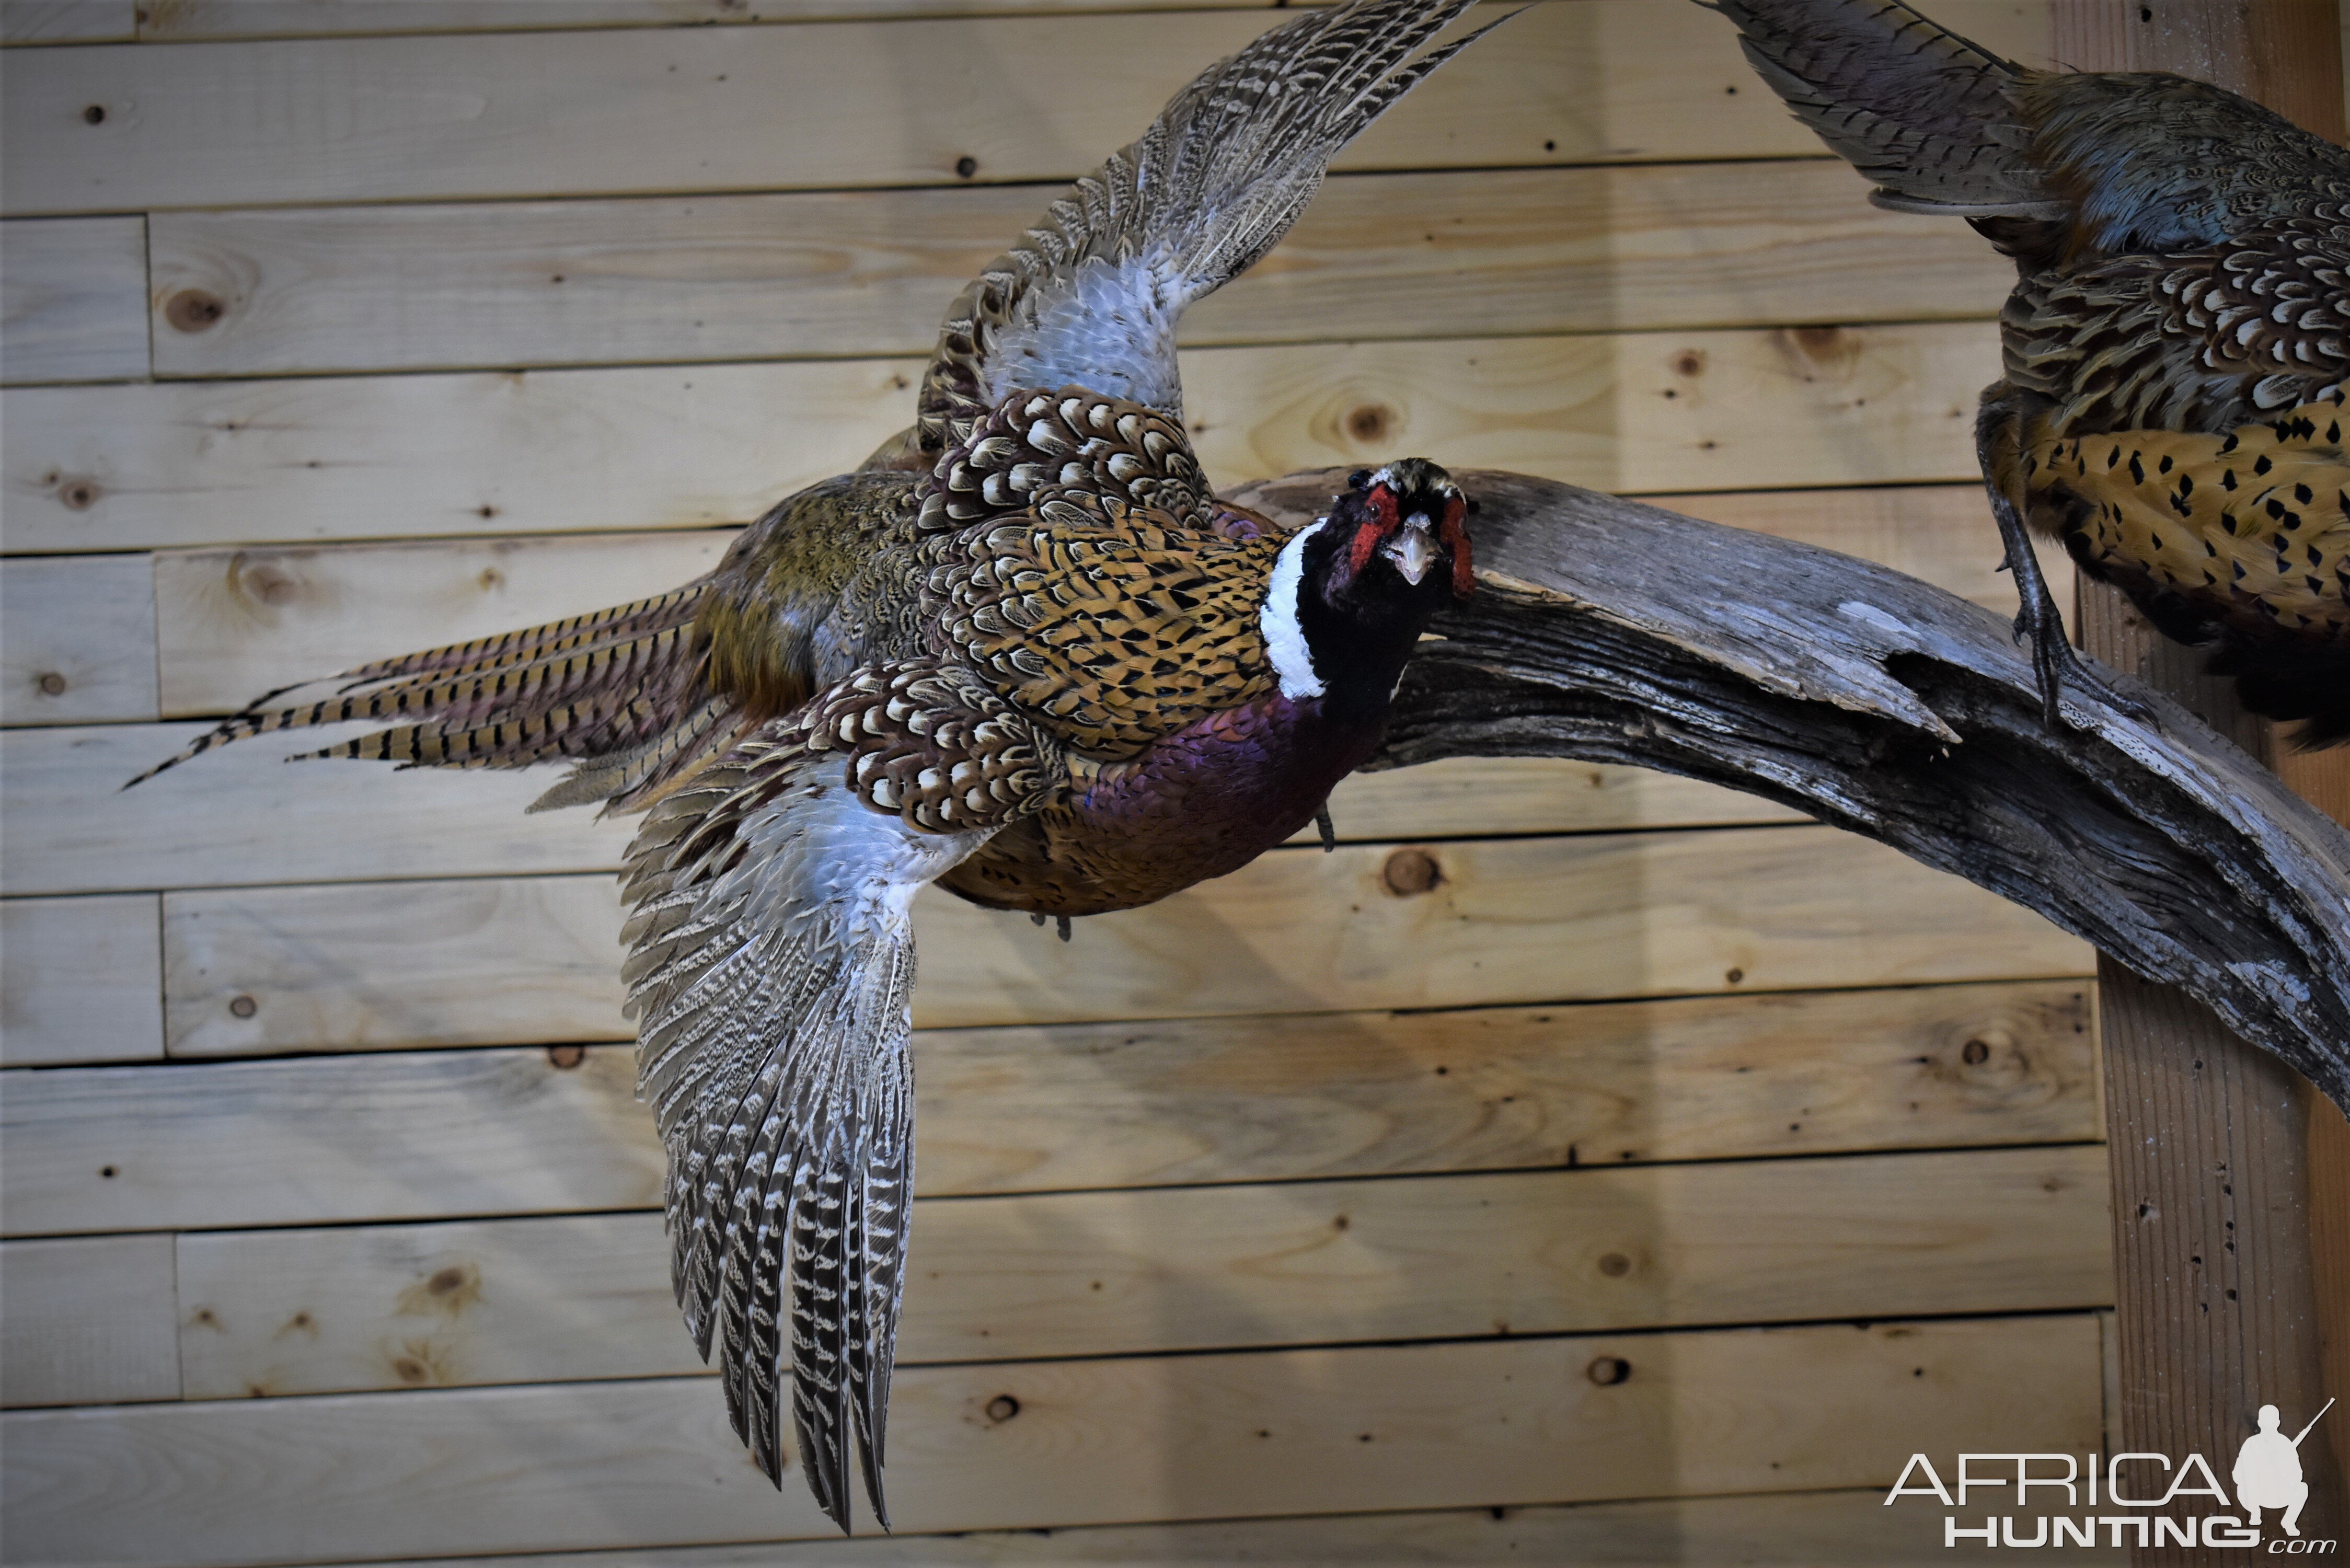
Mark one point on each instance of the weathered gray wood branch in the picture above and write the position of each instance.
(1610, 631)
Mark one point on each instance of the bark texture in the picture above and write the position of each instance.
(1605, 631)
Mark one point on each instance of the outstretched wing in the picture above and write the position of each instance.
(1091, 295)
(769, 968)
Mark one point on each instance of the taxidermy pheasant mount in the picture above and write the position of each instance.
(1024, 652)
(2177, 344)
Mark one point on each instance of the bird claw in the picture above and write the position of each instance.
(2056, 664)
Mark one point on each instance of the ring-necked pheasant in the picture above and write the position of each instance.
(2176, 347)
(1024, 652)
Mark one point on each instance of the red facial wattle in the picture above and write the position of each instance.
(1383, 521)
(1454, 532)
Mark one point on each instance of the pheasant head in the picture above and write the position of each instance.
(1352, 593)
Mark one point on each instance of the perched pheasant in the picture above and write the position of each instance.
(2178, 343)
(1024, 652)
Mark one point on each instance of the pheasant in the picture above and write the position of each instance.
(1024, 652)
(2176, 349)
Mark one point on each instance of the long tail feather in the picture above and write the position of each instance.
(590, 687)
(1923, 112)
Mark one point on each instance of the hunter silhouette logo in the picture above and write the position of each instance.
(2141, 1500)
(2268, 1471)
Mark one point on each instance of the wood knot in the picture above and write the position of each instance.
(1615, 1266)
(1609, 1370)
(446, 1292)
(1975, 1052)
(409, 1369)
(1831, 348)
(1369, 422)
(243, 1006)
(51, 684)
(262, 581)
(193, 310)
(1411, 872)
(94, 115)
(1690, 362)
(491, 579)
(77, 493)
(563, 1058)
(1002, 1408)
(966, 166)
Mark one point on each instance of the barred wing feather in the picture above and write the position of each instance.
(770, 973)
(1091, 295)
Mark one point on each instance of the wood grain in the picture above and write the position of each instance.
(870, 272)
(73, 295)
(1797, 1530)
(81, 980)
(488, 959)
(77, 639)
(240, 622)
(1940, 533)
(1027, 1108)
(828, 105)
(87, 1322)
(1224, 1436)
(1218, 1268)
(305, 460)
(67, 825)
(66, 21)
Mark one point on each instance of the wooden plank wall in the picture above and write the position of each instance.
(1578, 1165)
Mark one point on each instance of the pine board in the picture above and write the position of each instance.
(77, 639)
(237, 623)
(431, 1135)
(1222, 1267)
(81, 980)
(491, 960)
(66, 21)
(632, 1463)
(302, 460)
(1940, 533)
(87, 1322)
(232, 623)
(67, 825)
(827, 105)
(870, 273)
(73, 295)
(276, 1143)
(1797, 1530)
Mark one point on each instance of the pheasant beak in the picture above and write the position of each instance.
(1413, 549)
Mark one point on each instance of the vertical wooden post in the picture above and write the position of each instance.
(2231, 1176)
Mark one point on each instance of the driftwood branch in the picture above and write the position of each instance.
(1610, 631)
